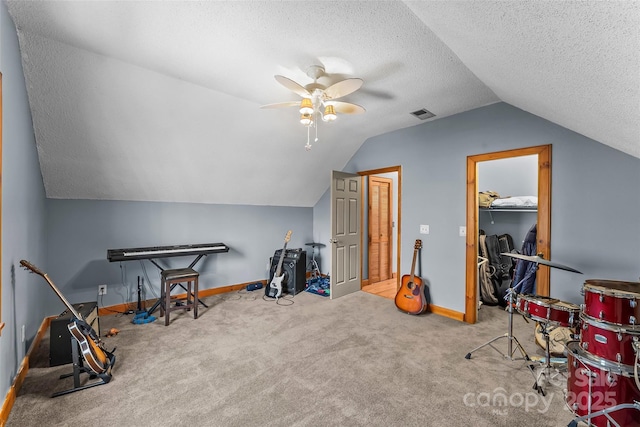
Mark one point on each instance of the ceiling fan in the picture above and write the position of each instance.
(319, 101)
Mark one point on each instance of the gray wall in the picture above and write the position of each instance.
(595, 201)
(322, 229)
(81, 231)
(595, 205)
(25, 297)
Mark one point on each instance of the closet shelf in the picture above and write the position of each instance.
(504, 209)
(533, 209)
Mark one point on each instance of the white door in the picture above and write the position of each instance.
(346, 193)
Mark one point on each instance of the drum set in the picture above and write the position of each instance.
(603, 354)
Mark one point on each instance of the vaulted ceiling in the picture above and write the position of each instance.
(160, 101)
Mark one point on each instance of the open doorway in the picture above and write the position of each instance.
(381, 222)
(543, 220)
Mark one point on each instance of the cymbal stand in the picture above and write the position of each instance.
(313, 264)
(511, 339)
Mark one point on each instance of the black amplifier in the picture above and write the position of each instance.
(292, 254)
(60, 337)
(294, 268)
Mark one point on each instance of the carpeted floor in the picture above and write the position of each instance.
(353, 361)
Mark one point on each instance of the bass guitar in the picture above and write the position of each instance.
(411, 297)
(98, 360)
(275, 287)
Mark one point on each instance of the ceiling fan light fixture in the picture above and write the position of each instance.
(306, 119)
(329, 114)
(306, 107)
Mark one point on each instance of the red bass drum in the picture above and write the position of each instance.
(594, 386)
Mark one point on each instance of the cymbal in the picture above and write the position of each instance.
(539, 260)
(315, 245)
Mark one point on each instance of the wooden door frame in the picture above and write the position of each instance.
(371, 178)
(543, 220)
(365, 174)
(1, 322)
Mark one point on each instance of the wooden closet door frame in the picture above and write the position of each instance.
(1, 322)
(398, 196)
(390, 220)
(543, 221)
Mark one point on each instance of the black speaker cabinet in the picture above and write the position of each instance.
(294, 267)
(60, 337)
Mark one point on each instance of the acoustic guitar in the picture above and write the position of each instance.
(275, 287)
(98, 360)
(411, 297)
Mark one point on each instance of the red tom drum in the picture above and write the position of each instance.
(594, 386)
(613, 301)
(608, 341)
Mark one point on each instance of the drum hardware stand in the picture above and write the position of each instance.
(610, 421)
(510, 340)
(313, 264)
(545, 372)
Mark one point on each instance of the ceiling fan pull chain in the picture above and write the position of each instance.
(308, 146)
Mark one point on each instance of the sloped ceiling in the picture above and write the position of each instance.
(159, 101)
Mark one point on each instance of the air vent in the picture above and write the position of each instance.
(423, 114)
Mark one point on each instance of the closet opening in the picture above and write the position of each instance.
(515, 173)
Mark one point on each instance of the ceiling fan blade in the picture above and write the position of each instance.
(346, 107)
(343, 88)
(293, 86)
(282, 104)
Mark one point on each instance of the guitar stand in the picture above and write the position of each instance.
(78, 368)
(511, 340)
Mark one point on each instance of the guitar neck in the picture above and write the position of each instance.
(279, 268)
(64, 300)
(26, 264)
(413, 265)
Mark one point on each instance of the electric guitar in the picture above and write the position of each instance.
(98, 360)
(275, 287)
(410, 297)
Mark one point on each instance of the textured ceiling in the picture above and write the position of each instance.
(159, 101)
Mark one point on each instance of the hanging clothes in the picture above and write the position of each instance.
(524, 278)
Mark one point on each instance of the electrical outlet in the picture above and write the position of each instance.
(102, 289)
(424, 229)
